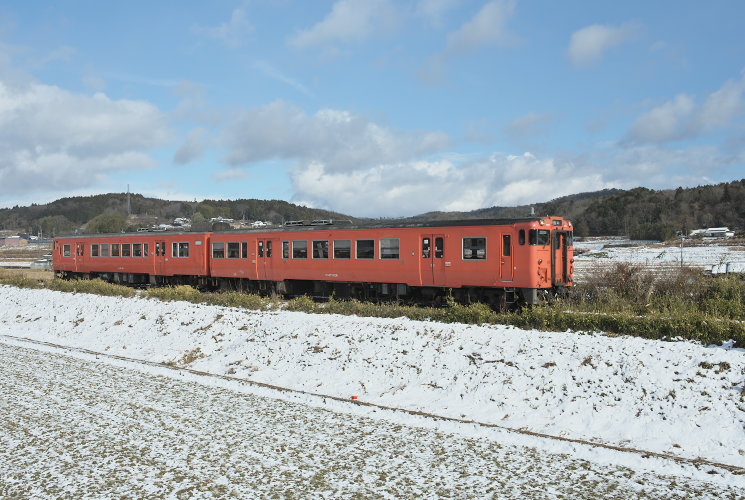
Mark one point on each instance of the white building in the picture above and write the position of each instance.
(713, 232)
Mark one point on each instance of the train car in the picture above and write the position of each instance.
(500, 262)
(137, 259)
(495, 261)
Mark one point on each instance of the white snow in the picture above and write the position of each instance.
(677, 398)
(82, 425)
(21, 264)
(602, 253)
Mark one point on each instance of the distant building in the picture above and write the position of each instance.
(713, 232)
(13, 241)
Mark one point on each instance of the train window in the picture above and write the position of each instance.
(94, 250)
(544, 236)
(390, 248)
(244, 250)
(115, 249)
(540, 237)
(474, 248)
(126, 250)
(261, 248)
(145, 248)
(234, 250)
(342, 249)
(439, 248)
(320, 249)
(285, 249)
(66, 250)
(521, 236)
(365, 249)
(218, 250)
(506, 245)
(183, 249)
(299, 249)
(137, 250)
(174, 249)
(269, 249)
(570, 238)
(104, 250)
(425, 248)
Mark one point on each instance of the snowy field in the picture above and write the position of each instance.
(674, 398)
(82, 428)
(716, 256)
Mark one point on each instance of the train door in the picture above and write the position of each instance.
(432, 259)
(79, 255)
(265, 255)
(160, 258)
(560, 257)
(506, 268)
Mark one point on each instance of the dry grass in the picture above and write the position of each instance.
(31, 253)
(30, 274)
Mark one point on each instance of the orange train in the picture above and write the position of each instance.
(498, 261)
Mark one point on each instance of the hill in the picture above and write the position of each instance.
(68, 214)
(639, 213)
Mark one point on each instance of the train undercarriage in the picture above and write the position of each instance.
(497, 298)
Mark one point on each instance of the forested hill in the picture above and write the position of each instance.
(639, 213)
(68, 214)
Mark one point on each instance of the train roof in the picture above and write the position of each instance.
(328, 225)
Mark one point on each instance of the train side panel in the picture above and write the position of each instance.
(147, 254)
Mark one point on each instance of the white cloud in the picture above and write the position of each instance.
(667, 122)
(434, 10)
(350, 21)
(338, 139)
(193, 147)
(463, 184)
(660, 167)
(233, 32)
(590, 44)
(487, 27)
(51, 139)
(682, 118)
(415, 187)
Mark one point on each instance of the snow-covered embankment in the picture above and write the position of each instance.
(670, 397)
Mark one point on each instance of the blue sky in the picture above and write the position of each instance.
(368, 107)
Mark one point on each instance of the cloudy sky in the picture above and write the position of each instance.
(368, 107)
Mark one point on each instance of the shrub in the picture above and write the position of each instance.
(96, 287)
(175, 293)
